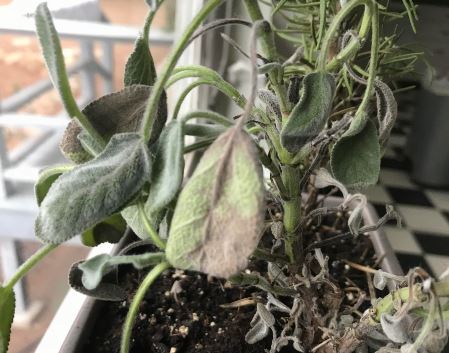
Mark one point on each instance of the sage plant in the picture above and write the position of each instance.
(323, 119)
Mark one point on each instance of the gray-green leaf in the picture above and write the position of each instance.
(7, 307)
(86, 195)
(168, 168)
(218, 218)
(355, 158)
(106, 290)
(140, 68)
(109, 230)
(51, 48)
(46, 178)
(95, 268)
(114, 113)
(309, 116)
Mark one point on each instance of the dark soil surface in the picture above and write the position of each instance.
(193, 320)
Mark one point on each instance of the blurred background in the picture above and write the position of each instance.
(414, 176)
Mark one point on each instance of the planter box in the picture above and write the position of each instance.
(74, 319)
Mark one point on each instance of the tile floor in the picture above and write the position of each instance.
(423, 239)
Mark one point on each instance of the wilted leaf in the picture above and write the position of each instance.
(7, 307)
(387, 111)
(51, 48)
(106, 290)
(140, 68)
(355, 158)
(309, 116)
(257, 333)
(95, 268)
(46, 178)
(219, 214)
(168, 167)
(396, 328)
(86, 195)
(324, 179)
(114, 113)
(110, 230)
(266, 316)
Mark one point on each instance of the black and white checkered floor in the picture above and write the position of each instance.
(423, 239)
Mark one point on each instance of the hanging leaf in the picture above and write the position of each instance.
(219, 214)
(140, 68)
(355, 158)
(86, 195)
(309, 116)
(110, 230)
(95, 268)
(54, 59)
(7, 307)
(46, 178)
(106, 290)
(114, 113)
(168, 167)
(387, 111)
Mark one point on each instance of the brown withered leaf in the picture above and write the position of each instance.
(218, 219)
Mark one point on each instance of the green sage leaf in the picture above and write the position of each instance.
(107, 290)
(46, 178)
(355, 158)
(132, 218)
(7, 307)
(54, 59)
(114, 113)
(95, 268)
(168, 168)
(140, 68)
(309, 116)
(110, 230)
(86, 195)
(219, 214)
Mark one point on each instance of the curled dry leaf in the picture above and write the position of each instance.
(114, 113)
(218, 219)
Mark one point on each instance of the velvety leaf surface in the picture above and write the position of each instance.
(168, 167)
(51, 48)
(219, 214)
(110, 230)
(7, 307)
(140, 68)
(46, 178)
(309, 116)
(114, 113)
(355, 158)
(107, 290)
(95, 268)
(86, 195)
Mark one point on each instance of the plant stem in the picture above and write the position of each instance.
(354, 45)
(134, 308)
(153, 102)
(292, 213)
(208, 115)
(149, 228)
(270, 52)
(29, 264)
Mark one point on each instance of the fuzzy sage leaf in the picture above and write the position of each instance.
(168, 169)
(355, 158)
(7, 307)
(107, 290)
(309, 116)
(95, 268)
(219, 214)
(114, 113)
(51, 48)
(46, 178)
(109, 230)
(84, 196)
(140, 68)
